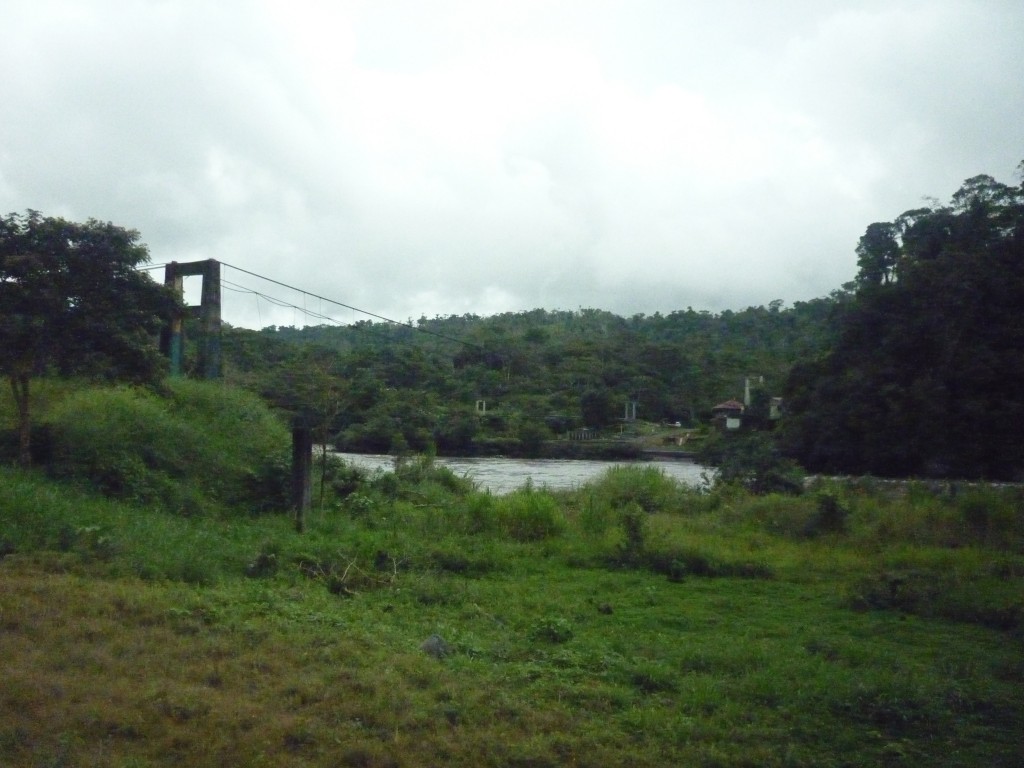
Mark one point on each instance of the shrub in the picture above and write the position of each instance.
(596, 515)
(358, 506)
(478, 514)
(346, 479)
(528, 515)
(647, 487)
(830, 516)
(634, 529)
(753, 461)
(676, 563)
(776, 513)
(993, 515)
(199, 445)
(933, 593)
(423, 469)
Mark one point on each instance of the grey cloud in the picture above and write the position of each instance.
(635, 157)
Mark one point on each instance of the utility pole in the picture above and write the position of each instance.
(746, 388)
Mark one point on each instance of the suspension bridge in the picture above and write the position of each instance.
(207, 315)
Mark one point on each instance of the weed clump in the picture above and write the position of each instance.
(829, 517)
(940, 594)
(555, 630)
(266, 562)
(633, 547)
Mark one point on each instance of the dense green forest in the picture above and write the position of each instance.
(924, 377)
(541, 373)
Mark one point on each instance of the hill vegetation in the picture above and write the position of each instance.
(378, 387)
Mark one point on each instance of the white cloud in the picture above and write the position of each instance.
(451, 157)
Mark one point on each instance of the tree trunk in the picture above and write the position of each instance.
(19, 386)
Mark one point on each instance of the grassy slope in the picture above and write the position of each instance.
(132, 637)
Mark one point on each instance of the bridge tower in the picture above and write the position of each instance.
(172, 340)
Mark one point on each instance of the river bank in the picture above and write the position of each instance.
(504, 474)
(597, 449)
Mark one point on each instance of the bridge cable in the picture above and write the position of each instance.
(355, 309)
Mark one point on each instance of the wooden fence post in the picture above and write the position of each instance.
(302, 473)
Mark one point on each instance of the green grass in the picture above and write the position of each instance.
(134, 637)
(632, 622)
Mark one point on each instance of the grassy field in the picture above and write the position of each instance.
(632, 622)
(155, 610)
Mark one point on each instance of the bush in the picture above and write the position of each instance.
(478, 514)
(199, 445)
(991, 515)
(552, 629)
(677, 563)
(634, 529)
(529, 515)
(989, 602)
(830, 516)
(647, 487)
(423, 470)
(753, 461)
(596, 515)
(347, 479)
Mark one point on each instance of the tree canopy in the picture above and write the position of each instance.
(73, 302)
(925, 377)
(540, 373)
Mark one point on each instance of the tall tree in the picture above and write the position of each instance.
(72, 302)
(877, 254)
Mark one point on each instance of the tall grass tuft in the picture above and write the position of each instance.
(529, 515)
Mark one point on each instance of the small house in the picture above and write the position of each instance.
(728, 415)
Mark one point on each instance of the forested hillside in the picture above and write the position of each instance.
(925, 376)
(381, 387)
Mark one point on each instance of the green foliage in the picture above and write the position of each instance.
(555, 630)
(917, 383)
(346, 479)
(72, 299)
(455, 431)
(528, 515)
(647, 487)
(423, 469)
(634, 533)
(199, 446)
(532, 435)
(541, 373)
(478, 514)
(753, 461)
(830, 516)
(596, 515)
(932, 593)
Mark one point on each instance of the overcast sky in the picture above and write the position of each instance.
(450, 156)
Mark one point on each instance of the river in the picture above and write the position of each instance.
(499, 475)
